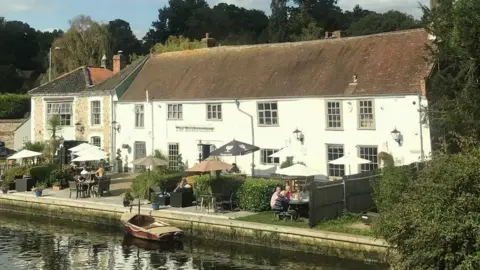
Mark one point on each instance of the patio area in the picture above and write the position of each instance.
(120, 183)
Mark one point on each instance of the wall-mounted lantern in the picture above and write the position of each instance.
(79, 127)
(299, 135)
(116, 126)
(397, 136)
(200, 148)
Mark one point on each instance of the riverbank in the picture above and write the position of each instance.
(206, 226)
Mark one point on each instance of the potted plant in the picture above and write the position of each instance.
(155, 206)
(57, 186)
(128, 198)
(38, 190)
(5, 186)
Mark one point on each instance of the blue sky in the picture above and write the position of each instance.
(52, 14)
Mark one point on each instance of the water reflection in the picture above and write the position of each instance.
(40, 243)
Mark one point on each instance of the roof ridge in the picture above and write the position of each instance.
(58, 78)
(294, 43)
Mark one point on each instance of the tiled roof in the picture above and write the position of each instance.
(389, 63)
(72, 82)
(98, 75)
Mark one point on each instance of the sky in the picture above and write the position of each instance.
(55, 14)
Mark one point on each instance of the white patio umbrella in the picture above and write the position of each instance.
(25, 154)
(83, 146)
(89, 157)
(287, 151)
(349, 160)
(91, 151)
(298, 170)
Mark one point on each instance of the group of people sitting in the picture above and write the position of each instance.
(281, 198)
(84, 174)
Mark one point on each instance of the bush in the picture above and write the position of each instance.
(14, 106)
(41, 174)
(224, 184)
(202, 185)
(434, 221)
(60, 177)
(255, 194)
(11, 172)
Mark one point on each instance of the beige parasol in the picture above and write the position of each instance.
(150, 161)
(209, 166)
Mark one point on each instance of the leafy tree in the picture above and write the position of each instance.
(278, 27)
(122, 38)
(84, 43)
(35, 146)
(374, 23)
(175, 43)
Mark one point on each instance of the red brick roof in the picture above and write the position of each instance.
(388, 63)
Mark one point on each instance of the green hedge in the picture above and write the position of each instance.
(142, 183)
(11, 172)
(224, 184)
(41, 174)
(14, 106)
(60, 177)
(255, 194)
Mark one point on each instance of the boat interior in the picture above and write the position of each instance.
(145, 222)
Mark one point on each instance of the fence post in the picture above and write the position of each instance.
(344, 195)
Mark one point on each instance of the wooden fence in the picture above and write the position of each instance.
(329, 200)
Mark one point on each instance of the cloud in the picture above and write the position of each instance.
(14, 6)
(407, 6)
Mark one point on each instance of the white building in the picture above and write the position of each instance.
(345, 95)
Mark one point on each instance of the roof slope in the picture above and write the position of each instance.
(72, 82)
(389, 63)
(98, 75)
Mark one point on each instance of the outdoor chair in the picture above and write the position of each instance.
(102, 186)
(218, 202)
(229, 202)
(78, 189)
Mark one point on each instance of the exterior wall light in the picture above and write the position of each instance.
(397, 136)
(299, 135)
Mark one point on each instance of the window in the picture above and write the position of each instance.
(95, 112)
(335, 152)
(334, 115)
(96, 140)
(366, 118)
(139, 116)
(62, 110)
(265, 159)
(267, 113)
(140, 150)
(175, 111)
(214, 111)
(173, 155)
(369, 153)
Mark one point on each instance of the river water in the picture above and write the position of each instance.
(28, 242)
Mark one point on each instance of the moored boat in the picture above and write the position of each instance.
(146, 227)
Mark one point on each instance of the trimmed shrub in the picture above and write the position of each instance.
(11, 172)
(224, 184)
(168, 181)
(255, 194)
(41, 174)
(202, 185)
(14, 106)
(59, 176)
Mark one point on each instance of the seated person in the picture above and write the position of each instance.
(281, 203)
(182, 185)
(73, 165)
(275, 196)
(303, 193)
(99, 173)
(234, 169)
(288, 192)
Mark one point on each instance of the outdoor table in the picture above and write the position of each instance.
(89, 184)
(300, 206)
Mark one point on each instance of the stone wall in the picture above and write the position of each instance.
(38, 118)
(7, 130)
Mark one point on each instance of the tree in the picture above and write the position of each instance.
(122, 38)
(175, 43)
(278, 27)
(36, 146)
(379, 23)
(454, 88)
(84, 43)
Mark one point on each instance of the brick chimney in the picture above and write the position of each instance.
(334, 34)
(208, 42)
(118, 62)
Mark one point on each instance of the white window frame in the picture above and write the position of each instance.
(93, 114)
(265, 159)
(173, 154)
(262, 111)
(333, 167)
(175, 111)
(363, 115)
(373, 157)
(63, 107)
(331, 115)
(214, 111)
(139, 112)
(92, 138)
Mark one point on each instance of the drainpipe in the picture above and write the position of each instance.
(253, 133)
(113, 133)
(422, 153)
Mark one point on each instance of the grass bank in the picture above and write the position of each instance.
(350, 223)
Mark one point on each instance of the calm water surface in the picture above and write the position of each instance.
(28, 242)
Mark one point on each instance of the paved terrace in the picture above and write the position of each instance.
(119, 185)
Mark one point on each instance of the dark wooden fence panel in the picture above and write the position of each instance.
(327, 200)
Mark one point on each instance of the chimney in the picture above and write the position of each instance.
(208, 42)
(103, 63)
(118, 62)
(334, 34)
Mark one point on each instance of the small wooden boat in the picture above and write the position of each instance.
(146, 227)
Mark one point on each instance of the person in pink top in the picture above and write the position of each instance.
(275, 196)
(288, 192)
